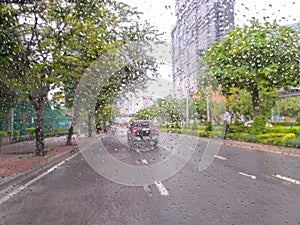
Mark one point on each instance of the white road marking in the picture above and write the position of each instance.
(247, 175)
(161, 188)
(147, 189)
(220, 157)
(144, 161)
(287, 179)
(16, 191)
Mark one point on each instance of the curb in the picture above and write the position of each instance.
(21, 178)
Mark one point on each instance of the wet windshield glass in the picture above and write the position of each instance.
(150, 112)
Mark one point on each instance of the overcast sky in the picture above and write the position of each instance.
(161, 13)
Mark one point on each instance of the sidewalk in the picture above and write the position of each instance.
(19, 158)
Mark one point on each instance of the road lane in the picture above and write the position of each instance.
(75, 194)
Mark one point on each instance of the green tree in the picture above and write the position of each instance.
(288, 106)
(238, 103)
(254, 57)
(54, 45)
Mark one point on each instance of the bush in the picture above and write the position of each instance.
(3, 134)
(175, 125)
(195, 126)
(202, 133)
(293, 142)
(237, 129)
(249, 138)
(275, 138)
(16, 133)
(208, 126)
(258, 126)
(272, 135)
(236, 136)
(31, 131)
(298, 120)
(285, 123)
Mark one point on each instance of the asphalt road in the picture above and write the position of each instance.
(239, 187)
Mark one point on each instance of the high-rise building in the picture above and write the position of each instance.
(199, 23)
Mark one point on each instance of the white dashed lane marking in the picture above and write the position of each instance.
(220, 157)
(161, 188)
(287, 179)
(248, 175)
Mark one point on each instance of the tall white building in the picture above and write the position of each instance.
(199, 23)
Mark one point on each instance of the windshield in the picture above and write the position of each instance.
(150, 112)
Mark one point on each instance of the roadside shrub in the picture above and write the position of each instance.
(258, 126)
(3, 134)
(202, 133)
(208, 126)
(237, 129)
(249, 138)
(16, 134)
(275, 138)
(236, 136)
(31, 131)
(195, 126)
(175, 125)
(285, 123)
(293, 142)
(271, 135)
(298, 120)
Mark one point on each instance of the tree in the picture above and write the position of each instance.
(288, 106)
(49, 44)
(254, 57)
(238, 103)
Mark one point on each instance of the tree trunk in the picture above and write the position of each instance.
(255, 101)
(71, 129)
(90, 123)
(39, 105)
(69, 137)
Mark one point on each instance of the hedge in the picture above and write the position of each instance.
(3, 134)
(284, 123)
(294, 142)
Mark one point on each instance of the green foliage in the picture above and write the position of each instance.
(146, 114)
(293, 142)
(258, 126)
(175, 125)
(3, 134)
(31, 131)
(84, 31)
(236, 136)
(250, 138)
(195, 126)
(208, 126)
(15, 134)
(285, 129)
(285, 123)
(238, 129)
(288, 106)
(275, 138)
(272, 135)
(255, 56)
(298, 120)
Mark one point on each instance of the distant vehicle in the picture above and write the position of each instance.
(142, 133)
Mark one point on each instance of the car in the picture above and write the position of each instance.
(142, 133)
